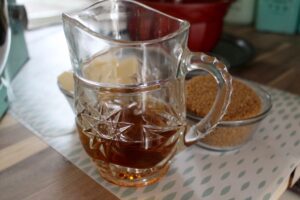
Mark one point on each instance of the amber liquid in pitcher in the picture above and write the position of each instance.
(142, 138)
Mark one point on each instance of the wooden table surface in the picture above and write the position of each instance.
(30, 169)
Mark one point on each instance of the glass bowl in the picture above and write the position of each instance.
(230, 135)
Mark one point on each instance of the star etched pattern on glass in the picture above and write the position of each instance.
(127, 135)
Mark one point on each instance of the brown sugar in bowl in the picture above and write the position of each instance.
(249, 105)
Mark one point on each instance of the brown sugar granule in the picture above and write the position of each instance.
(201, 92)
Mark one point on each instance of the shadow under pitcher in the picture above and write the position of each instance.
(129, 64)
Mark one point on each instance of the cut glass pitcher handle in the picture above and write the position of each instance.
(201, 61)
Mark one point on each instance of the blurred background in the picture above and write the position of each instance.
(252, 36)
(47, 12)
(207, 17)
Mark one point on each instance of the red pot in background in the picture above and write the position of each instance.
(205, 16)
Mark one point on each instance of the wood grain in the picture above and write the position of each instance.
(20, 151)
(11, 134)
(42, 173)
(7, 121)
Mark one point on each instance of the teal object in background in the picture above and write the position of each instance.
(299, 22)
(280, 16)
(18, 53)
(3, 100)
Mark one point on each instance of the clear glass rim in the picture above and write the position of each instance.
(206, 3)
(123, 88)
(184, 26)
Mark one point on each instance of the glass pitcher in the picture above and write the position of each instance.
(129, 64)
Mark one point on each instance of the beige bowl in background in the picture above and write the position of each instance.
(65, 82)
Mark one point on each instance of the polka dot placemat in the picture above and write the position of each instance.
(254, 171)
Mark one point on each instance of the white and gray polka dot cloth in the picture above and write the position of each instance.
(253, 172)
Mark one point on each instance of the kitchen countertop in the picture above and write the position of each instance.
(30, 169)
